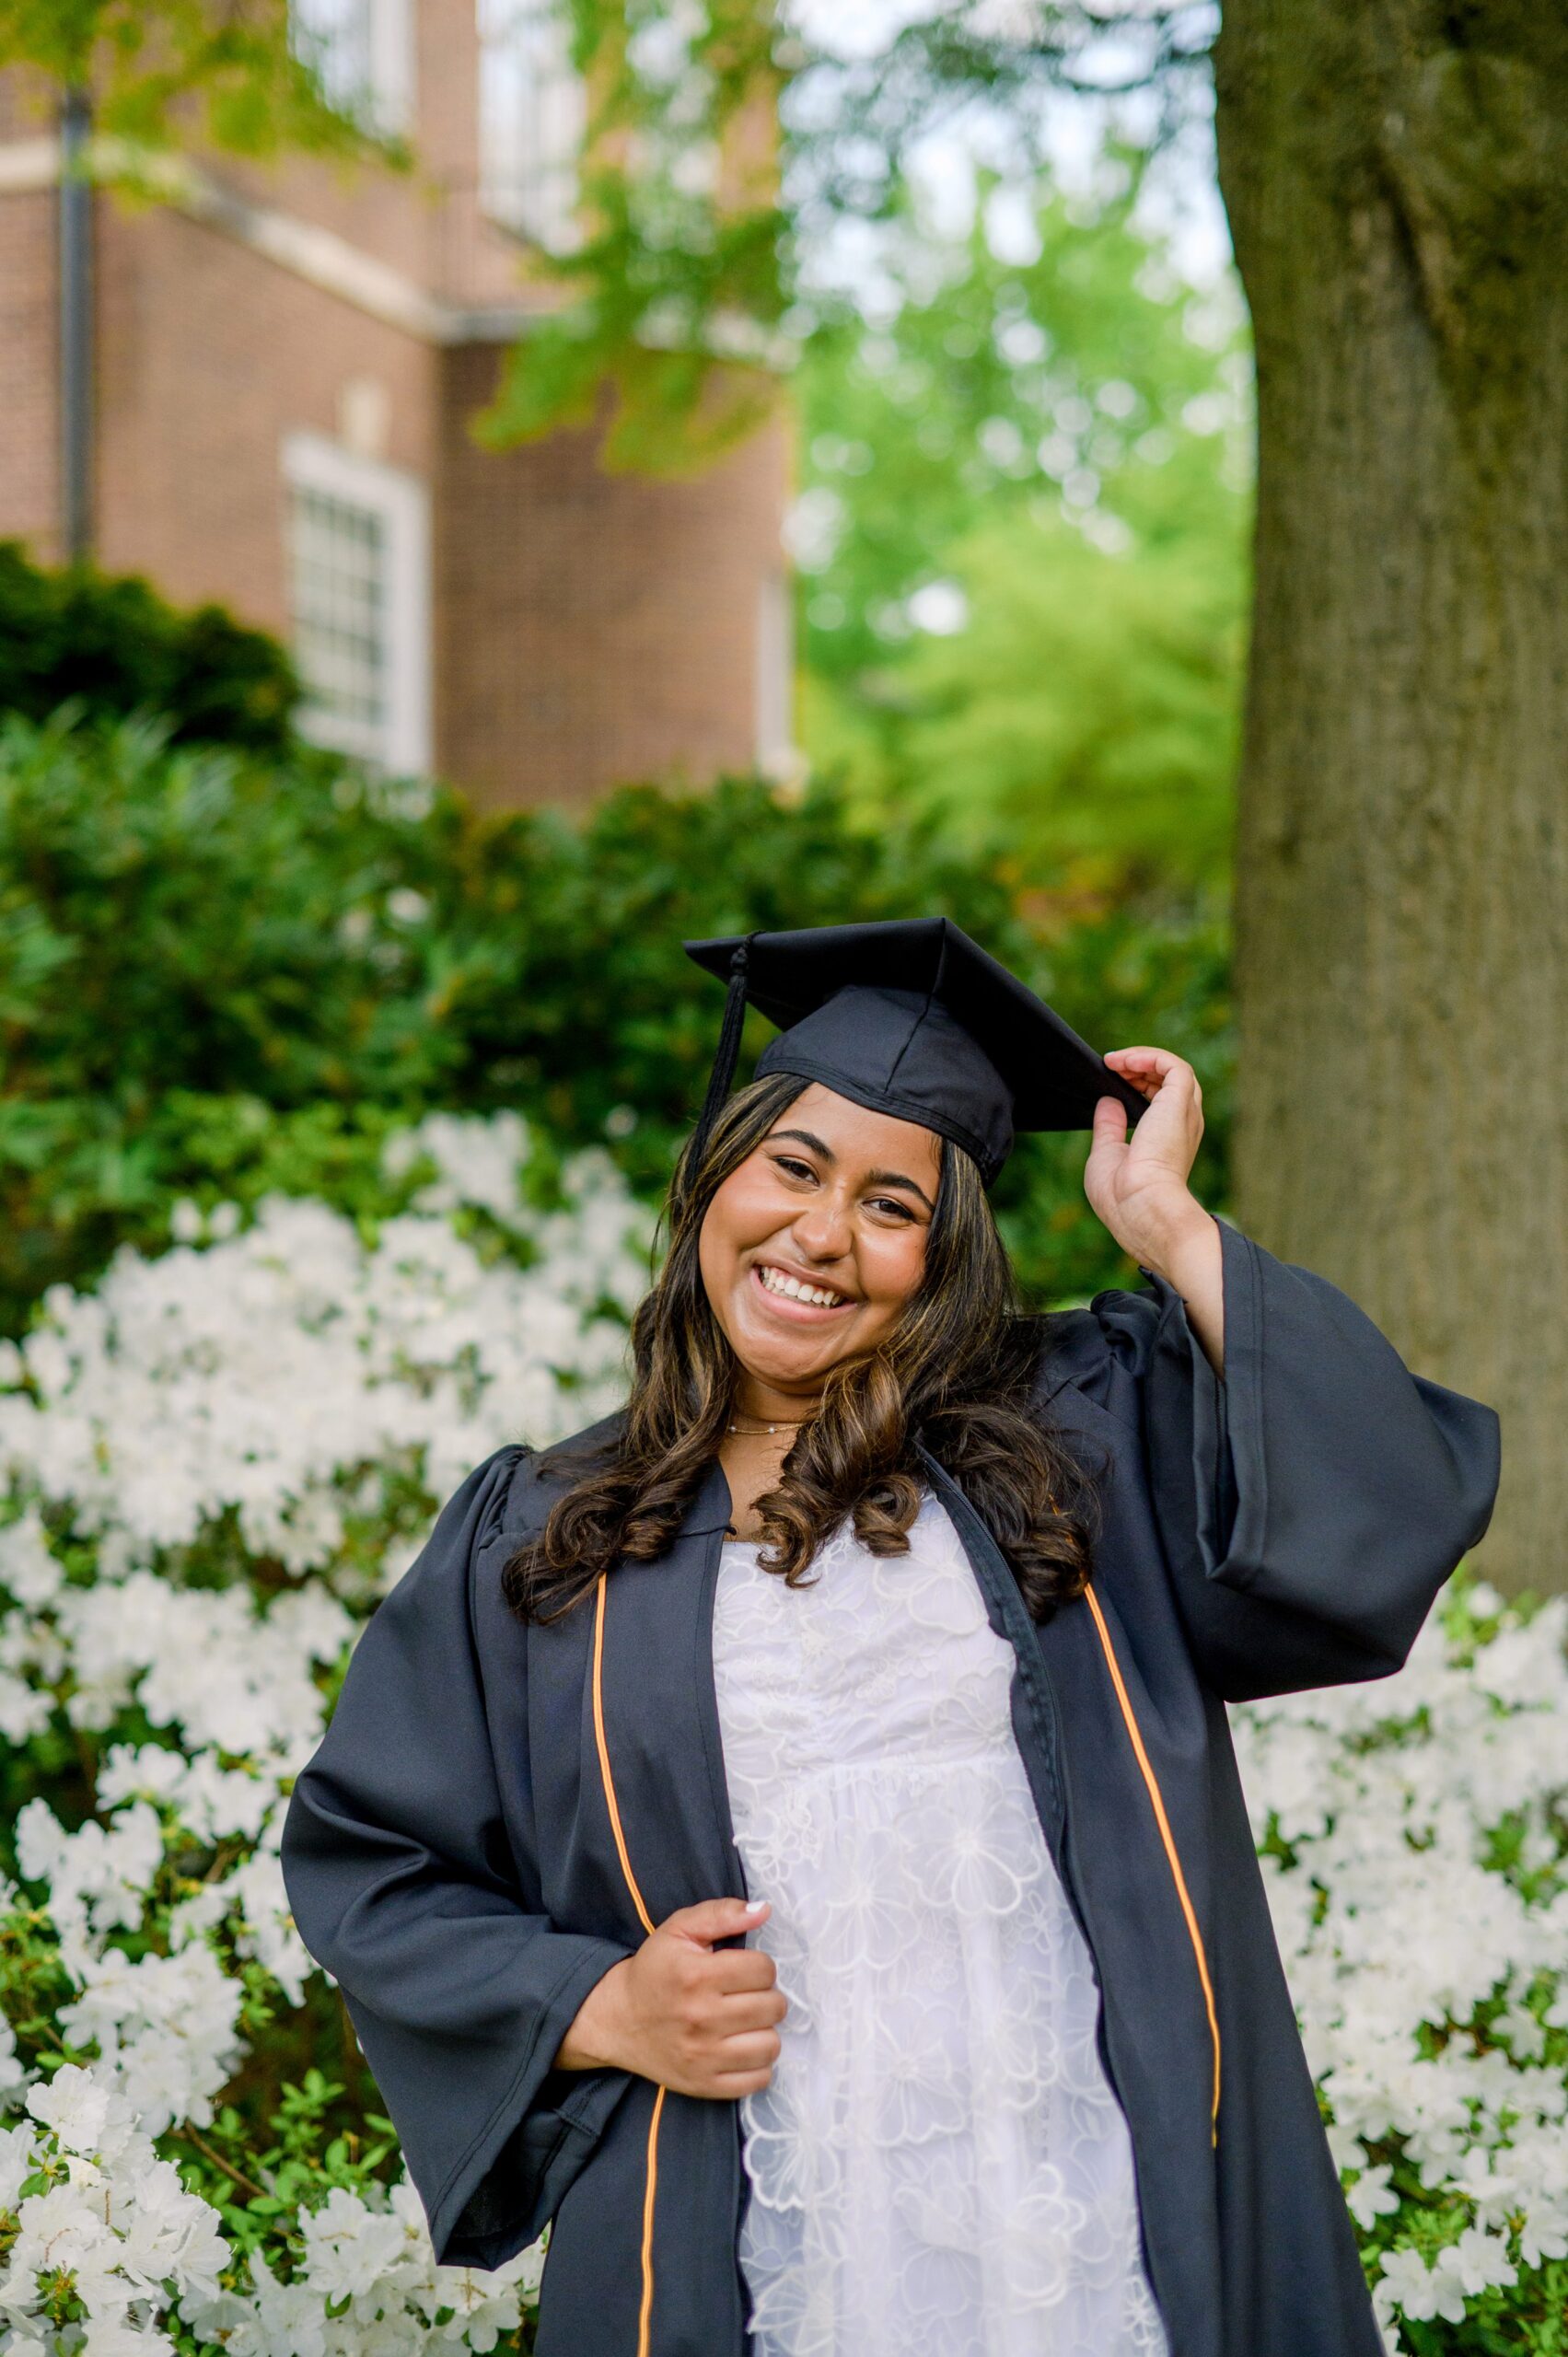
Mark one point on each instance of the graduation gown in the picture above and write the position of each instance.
(498, 1814)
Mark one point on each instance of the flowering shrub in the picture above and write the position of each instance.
(1414, 1835)
(218, 1459)
(217, 1462)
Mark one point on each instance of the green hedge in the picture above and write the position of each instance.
(111, 645)
(220, 975)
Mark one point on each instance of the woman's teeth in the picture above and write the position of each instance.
(777, 1281)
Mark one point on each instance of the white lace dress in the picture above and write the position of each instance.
(938, 2168)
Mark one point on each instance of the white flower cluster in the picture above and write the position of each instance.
(219, 1457)
(93, 2203)
(95, 2209)
(369, 2284)
(205, 1457)
(274, 1363)
(1416, 1854)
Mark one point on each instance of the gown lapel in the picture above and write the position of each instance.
(651, 1742)
(1098, 1763)
(658, 1715)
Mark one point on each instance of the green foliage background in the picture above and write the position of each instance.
(1060, 441)
(167, 74)
(110, 645)
(220, 976)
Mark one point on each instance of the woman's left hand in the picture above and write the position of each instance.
(1137, 1186)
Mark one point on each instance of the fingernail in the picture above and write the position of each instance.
(755, 1906)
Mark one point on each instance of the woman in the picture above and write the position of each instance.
(923, 1616)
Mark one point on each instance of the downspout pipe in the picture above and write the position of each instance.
(75, 266)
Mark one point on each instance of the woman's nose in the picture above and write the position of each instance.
(824, 1233)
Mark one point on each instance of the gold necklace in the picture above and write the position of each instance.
(755, 1432)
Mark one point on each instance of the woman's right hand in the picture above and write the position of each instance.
(700, 2019)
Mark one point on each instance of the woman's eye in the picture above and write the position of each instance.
(793, 1167)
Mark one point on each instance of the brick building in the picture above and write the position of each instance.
(285, 363)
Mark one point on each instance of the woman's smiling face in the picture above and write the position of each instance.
(813, 1245)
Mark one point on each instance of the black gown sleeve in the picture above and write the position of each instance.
(1310, 1505)
(405, 1884)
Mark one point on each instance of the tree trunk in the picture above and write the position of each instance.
(1396, 173)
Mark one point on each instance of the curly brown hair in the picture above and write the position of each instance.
(956, 1372)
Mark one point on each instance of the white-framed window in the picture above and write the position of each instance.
(776, 752)
(362, 53)
(359, 599)
(532, 109)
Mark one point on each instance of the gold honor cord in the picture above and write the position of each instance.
(645, 2311)
(1163, 1821)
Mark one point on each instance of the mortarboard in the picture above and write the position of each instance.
(911, 1018)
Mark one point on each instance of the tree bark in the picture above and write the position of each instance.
(1396, 173)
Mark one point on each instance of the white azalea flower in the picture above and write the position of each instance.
(1477, 2261)
(17, 2163)
(1372, 2197)
(28, 1568)
(1420, 2291)
(1524, 2034)
(164, 2029)
(13, 2076)
(349, 2245)
(80, 2109)
(278, 2316)
(167, 2232)
(121, 2336)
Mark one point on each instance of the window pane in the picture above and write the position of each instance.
(776, 676)
(532, 114)
(332, 37)
(338, 553)
(361, 51)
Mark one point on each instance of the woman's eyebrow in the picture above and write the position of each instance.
(818, 1146)
(897, 1178)
(872, 1178)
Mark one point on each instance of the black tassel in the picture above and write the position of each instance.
(726, 1052)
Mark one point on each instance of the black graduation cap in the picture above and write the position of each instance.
(911, 1018)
